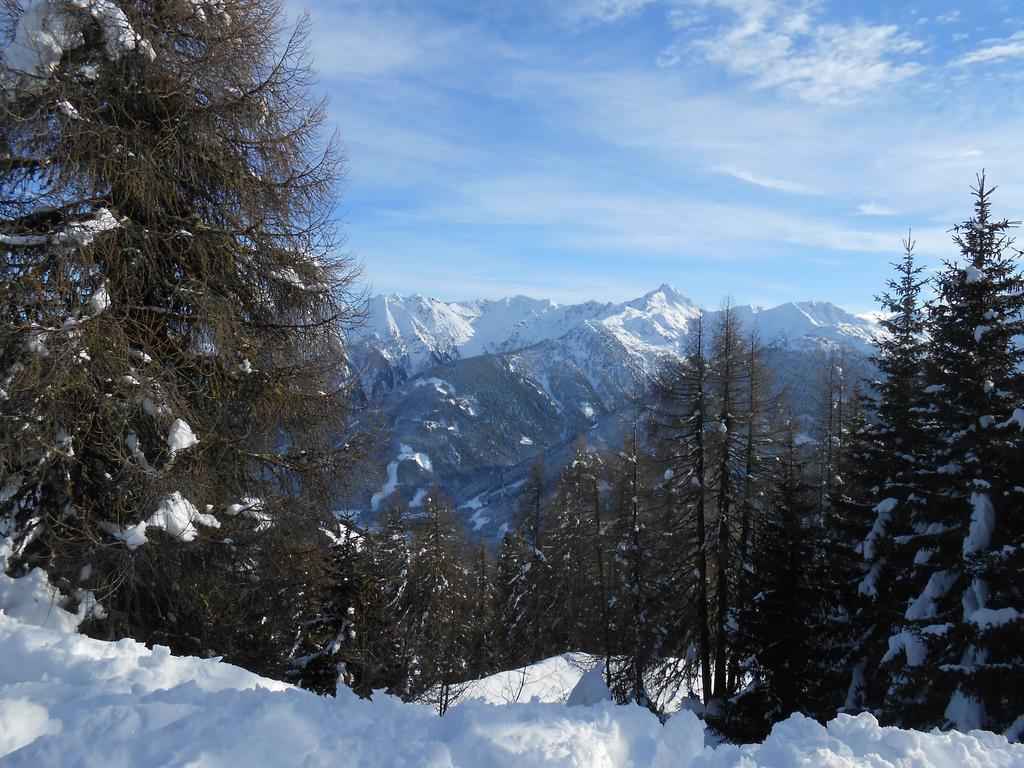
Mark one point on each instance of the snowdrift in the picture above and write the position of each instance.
(67, 700)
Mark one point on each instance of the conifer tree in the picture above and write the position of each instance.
(440, 608)
(776, 640)
(958, 651)
(529, 611)
(738, 435)
(681, 414)
(389, 568)
(330, 647)
(576, 554)
(884, 490)
(482, 648)
(639, 612)
(174, 390)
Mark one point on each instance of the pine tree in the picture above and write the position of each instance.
(958, 651)
(174, 389)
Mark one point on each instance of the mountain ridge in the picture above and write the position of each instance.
(474, 391)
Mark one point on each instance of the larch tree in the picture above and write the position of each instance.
(680, 418)
(174, 414)
(776, 642)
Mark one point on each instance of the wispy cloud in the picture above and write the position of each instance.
(994, 50)
(784, 45)
(781, 185)
(604, 10)
(873, 209)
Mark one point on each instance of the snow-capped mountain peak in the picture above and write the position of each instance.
(415, 333)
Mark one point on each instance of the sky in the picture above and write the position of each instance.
(766, 150)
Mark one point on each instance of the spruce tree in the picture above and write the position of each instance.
(958, 650)
(440, 607)
(389, 567)
(331, 645)
(884, 488)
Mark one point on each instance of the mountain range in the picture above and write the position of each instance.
(473, 391)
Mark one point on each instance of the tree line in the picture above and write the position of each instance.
(860, 554)
(177, 421)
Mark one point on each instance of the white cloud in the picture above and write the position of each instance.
(780, 44)
(873, 209)
(605, 10)
(566, 212)
(994, 50)
(948, 18)
(782, 185)
(354, 39)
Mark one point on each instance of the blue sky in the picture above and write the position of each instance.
(770, 150)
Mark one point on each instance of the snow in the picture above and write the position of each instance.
(180, 437)
(883, 512)
(986, 618)
(68, 110)
(983, 521)
(549, 681)
(591, 689)
(418, 332)
(31, 599)
(253, 509)
(405, 453)
(100, 300)
(176, 515)
(938, 585)
(1016, 418)
(910, 644)
(972, 274)
(46, 32)
(66, 699)
(965, 712)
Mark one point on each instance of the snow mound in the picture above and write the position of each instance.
(550, 681)
(66, 699)
(590, 690)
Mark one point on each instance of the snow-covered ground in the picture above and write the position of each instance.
(67, 700)
(549, 681)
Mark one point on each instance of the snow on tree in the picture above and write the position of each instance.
(173, 389)
(883, 489)
(957, 650)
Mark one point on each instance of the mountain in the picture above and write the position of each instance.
(473, 391)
